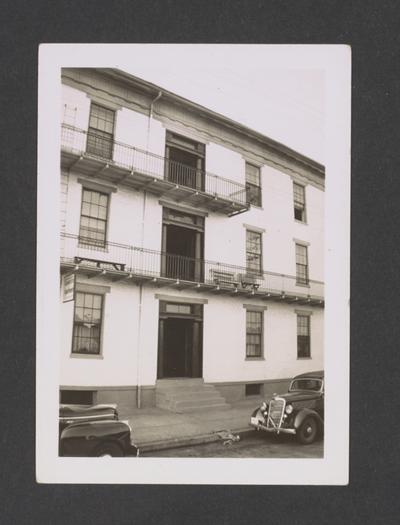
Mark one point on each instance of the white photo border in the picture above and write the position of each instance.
(335, 60)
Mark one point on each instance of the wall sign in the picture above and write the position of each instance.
(69, 287)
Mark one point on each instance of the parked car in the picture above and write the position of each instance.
(94, 430)
(299, 412)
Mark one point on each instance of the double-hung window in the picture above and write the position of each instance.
(101, 132)
(87, 323)
(93, 223)
(253, 184)
(254, 333)
(299, 202)
(303, 336)
(301, 264)
(253, 252)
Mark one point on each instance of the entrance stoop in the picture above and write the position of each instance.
(188, 395)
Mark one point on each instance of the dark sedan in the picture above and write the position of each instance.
(300, 411)
(94, 431)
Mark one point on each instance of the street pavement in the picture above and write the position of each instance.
(251, 445)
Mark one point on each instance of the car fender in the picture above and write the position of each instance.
(305, 412)
(96, 430)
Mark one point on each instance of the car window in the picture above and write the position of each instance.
(306, 384)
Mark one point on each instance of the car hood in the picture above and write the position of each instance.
(301, 395)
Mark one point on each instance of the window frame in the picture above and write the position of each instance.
(98, 354)
(86, 241)
(307, 316)
(303, 209)
(301, 281)
(102, 135)
(249, 270)
(259, 311)
(251, 186)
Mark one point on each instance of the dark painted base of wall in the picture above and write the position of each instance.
(123, 397)
(233, 392)
(127, 397)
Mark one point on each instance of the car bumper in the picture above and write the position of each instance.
(259, 425)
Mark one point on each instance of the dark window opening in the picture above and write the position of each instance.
(299, 199)
(93, 224)
(87, 323)
(301, 264)
(303, 336)
(101, 132)
(253, 184)
(253, 389)
(76, 397)
(253, 252)
(254, 333)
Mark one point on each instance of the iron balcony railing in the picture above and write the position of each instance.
(148, 263)
(105, 148)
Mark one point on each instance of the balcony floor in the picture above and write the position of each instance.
(101, 169)
(159, 282)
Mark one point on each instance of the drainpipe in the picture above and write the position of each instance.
(139, 391)
(150, 115)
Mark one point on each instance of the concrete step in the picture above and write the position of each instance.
(207, 394)
(188, 396)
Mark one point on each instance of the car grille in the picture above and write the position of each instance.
(275, 413)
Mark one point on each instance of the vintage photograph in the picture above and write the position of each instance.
(192, 244)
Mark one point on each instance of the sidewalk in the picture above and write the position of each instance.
(157, 429)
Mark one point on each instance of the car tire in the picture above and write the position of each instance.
(307, 431)
(109, 450)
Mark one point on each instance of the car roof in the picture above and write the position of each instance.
(317, 374)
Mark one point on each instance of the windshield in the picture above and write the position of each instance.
(306, 384)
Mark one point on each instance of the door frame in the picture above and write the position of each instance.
(196, 315)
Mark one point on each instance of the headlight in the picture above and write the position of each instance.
(289, 409)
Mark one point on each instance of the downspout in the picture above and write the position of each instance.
(150, 115)
(139, 389)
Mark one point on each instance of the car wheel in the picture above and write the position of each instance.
(111, 450)
(307, 432)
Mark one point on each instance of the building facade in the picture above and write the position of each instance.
(191, 248)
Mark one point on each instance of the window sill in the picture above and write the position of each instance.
(305, 223)
(255, 359)
(303, 358)
(303, 285)
(92, 247)
(86, 356)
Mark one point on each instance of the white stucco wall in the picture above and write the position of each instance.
(125, 350)
(135, 219)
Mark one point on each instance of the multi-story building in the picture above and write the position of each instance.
(191, 249)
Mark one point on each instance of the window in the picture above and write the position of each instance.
(303, 336)
(253, 389)
(299, 201)
(93, 224)
(253, 252)
(254, 333)
(101, 132)
(77, 397)
(253, 184)
(301, 264)
(87, 323)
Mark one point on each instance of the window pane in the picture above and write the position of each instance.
(87, 323)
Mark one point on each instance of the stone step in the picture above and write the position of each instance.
(189, 394)
(203, 408)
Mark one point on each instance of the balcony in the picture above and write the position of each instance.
(119, 262)
(99, 156)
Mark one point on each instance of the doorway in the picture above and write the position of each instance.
(182, 246)
(180, 340)
(185, 161)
